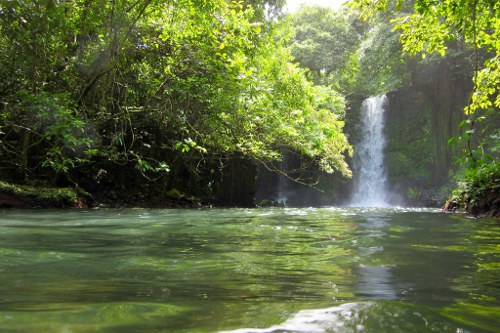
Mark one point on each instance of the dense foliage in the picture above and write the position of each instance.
(325, 42)
(478, 192)
(190, 94)
(439, 27)
(113, 91)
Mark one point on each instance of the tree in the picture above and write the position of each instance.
(325, 42)
(433, 25)
(96, 90)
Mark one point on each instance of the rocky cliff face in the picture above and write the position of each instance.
(420, 121)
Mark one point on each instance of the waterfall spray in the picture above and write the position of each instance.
(369, 171)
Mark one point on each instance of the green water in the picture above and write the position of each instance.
(261, 270)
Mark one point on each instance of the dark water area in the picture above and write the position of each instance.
(248, 270)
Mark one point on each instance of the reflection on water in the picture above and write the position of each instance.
(273, 270)
(375, 282)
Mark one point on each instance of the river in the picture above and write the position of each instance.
(248, 270)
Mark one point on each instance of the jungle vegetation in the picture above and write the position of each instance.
(164, 97)
(116, 91)
(468, 31)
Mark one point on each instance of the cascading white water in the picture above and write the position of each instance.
(369, 171)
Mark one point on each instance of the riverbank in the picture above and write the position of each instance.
(479, 192)
(487, 205)
(23, 196)
(26, 197)
(30, 197)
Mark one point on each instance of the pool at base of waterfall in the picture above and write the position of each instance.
(310, 270)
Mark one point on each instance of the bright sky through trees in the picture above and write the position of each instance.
(295, 4)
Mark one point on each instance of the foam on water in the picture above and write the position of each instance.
(342, 318)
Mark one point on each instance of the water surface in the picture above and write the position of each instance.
(238, 270)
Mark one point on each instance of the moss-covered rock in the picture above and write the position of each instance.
(23, 196)
(479, 193)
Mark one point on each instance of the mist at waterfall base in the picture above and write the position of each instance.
(370, 181)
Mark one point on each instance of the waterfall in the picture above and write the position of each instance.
(369, 171)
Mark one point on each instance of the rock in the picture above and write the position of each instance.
(487, 205)
(10, 201)
(113, 195)
(451, 205)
